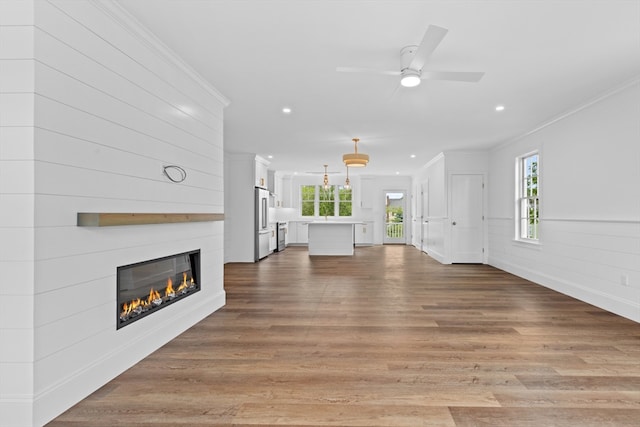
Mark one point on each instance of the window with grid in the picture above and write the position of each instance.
(308, 200)
(345, 206)
(327, 200)
(335, 200)
(528, 203)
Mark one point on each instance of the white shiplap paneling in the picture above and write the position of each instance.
(16, 143)
(590, 270)
(104, 108)
(16, 12)
(16, 76)
(21, 42)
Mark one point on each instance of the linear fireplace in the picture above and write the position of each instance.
(149, 286)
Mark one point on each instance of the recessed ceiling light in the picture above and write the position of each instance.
(270, 156)
(286, 110)
(499, 107)
(413, 156)
(397, 173)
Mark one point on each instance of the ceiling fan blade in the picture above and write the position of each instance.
(395, 90)
(366, 70)
(432, 38)
(459, 76)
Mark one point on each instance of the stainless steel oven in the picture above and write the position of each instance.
(282, 231)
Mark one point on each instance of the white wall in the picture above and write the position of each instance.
(435, 177)
(239, 227)
(435, 208)
(590, 204)
(87, 127)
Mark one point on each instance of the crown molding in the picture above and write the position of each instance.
(121, 16)
(595, 100)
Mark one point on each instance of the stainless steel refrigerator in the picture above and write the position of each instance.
(262, 224)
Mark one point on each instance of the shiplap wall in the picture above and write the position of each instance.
(94, 109)
(16, 212)
(590, 204)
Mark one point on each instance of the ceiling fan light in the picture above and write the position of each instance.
(410, 78)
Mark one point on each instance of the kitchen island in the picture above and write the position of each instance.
(331, 238)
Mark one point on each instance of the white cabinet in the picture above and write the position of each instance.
(366, 192)
(271, 180)
(285, 192)
(280, 186)
(271, 186)
(292, 233)
(273, 239)
(364, 233)
(261, 173)
(298, 232)
(302, 232)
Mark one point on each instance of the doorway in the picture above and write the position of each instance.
(394, 232)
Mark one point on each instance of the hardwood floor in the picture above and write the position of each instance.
(388, 337)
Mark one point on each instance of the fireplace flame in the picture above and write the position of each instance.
(133, 306)
(138, 306)
(169, 292)
(183, 286)
(153, 296)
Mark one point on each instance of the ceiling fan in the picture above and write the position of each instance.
(413, 59)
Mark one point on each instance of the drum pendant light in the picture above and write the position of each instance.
(355, 159)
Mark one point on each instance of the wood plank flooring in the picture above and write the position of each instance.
(388, 337)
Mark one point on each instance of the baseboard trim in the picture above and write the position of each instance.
(436, 255)
(611, 303)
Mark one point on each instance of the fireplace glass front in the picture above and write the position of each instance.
(149, 286)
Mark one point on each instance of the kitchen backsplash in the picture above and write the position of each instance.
(283, 214)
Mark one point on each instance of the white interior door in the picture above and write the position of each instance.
(467, 241)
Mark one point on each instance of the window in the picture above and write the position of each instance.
(315, 200)
(528, 198)
(344, 209)
(327, 201)
(308, 200)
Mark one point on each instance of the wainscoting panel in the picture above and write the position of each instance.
(597, 261)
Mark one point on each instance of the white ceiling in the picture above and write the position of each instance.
(541, 58)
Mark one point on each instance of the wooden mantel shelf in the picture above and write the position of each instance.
(90, 219)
